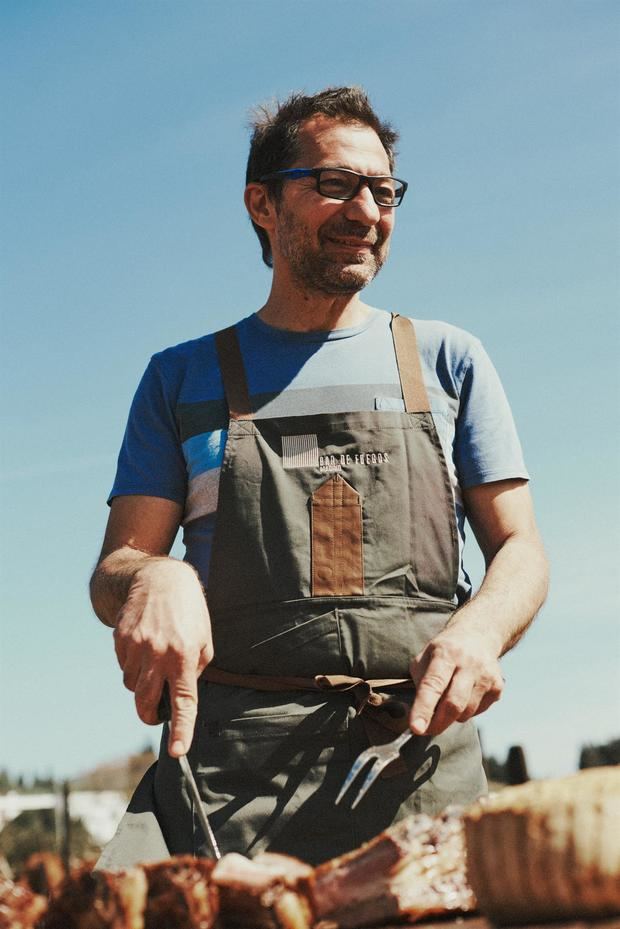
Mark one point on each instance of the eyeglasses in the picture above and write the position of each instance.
(342, 184)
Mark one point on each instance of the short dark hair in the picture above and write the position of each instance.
(275, 135)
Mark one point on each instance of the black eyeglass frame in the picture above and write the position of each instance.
(296, 173)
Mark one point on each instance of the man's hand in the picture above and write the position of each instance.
(163, 633)
(156, 605)
(457, 676)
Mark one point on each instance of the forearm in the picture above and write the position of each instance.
(157, 608)
(458, 674)
(113, 577)
(513, 590)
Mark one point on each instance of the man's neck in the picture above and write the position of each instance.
(302, 311)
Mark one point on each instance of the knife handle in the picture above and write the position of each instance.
(164, 707)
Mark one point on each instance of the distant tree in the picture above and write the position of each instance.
(516, 765)
(593, 756)
(43, 783)
(5, 781)
(494, 769)
(34, 831)
(511, 771)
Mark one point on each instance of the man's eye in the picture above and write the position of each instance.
(384, 192)
(334, 185)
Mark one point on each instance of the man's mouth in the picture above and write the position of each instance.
(351, 242)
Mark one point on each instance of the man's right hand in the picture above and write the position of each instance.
(163, 633)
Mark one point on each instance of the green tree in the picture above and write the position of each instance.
(592, 756)
(35, 831)
(43, 783)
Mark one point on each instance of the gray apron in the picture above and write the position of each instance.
(335, 560)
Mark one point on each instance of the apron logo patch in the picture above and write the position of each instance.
(300, 451)
(338, 462)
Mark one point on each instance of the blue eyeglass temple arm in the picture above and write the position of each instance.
(314, 172)
(299, 172)
(292, 172)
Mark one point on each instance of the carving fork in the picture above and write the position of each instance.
(381, 756)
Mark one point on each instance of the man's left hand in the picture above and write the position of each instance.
(457, 675)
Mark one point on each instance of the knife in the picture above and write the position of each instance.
(164, 714)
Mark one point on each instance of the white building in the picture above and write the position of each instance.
(99, 810)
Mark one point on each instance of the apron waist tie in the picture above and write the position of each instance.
(383, 715)
(362, 690)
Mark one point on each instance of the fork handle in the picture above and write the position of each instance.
(402, 738)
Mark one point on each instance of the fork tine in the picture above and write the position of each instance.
(371, 777)
(381, 755)
(356, 767)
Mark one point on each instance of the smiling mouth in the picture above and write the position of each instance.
(356, 244)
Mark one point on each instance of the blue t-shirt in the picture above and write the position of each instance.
(294, 374)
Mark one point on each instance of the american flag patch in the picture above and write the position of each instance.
(300, 451)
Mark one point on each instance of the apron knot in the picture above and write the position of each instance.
(361, 691)
(383, 715)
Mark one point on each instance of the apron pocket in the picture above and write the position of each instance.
(264, 776)
(301, 648)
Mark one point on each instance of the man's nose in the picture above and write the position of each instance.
(362, 207)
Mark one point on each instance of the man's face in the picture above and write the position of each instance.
(333, 246)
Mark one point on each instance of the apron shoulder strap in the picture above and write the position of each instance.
(409, 367)
(233, 374)
(407, 359)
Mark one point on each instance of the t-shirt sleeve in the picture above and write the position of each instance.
(151, 459)
(487, 446)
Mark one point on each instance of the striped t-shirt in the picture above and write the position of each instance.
(176, 433)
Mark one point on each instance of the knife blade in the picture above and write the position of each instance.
(164, 714)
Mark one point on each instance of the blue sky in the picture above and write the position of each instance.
(125, 141)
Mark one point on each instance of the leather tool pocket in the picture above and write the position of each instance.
(337, 550)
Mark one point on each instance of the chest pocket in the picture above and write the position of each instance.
(442, 417)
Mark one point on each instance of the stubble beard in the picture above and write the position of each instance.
(315, 269)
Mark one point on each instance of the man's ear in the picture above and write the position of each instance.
(259, 205)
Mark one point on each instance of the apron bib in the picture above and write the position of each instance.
(335, 553)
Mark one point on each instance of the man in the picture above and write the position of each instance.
(322, 463)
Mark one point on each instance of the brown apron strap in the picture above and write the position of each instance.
(409, 368)
(362, 690)
(407, 359)
(233, 374)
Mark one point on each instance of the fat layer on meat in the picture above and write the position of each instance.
(413, 869)
(262, 893)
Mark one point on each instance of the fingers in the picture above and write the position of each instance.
(144, 673)
(484, 695)
(431, 685)
(184, 700)
(451, 687)
(465, 697)
(453, 702)
(147, 695)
